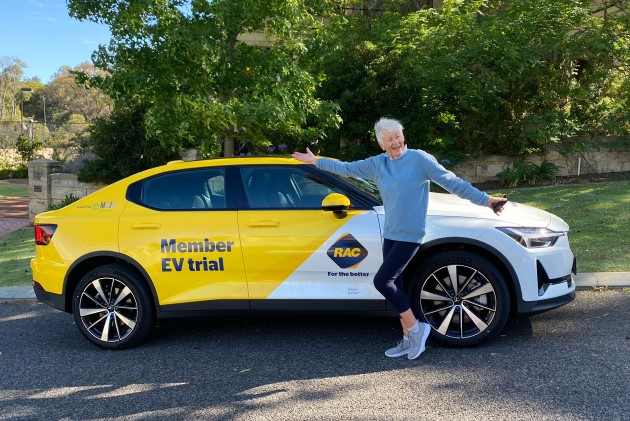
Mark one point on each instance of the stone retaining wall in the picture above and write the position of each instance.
(605, 159)
(48, 187)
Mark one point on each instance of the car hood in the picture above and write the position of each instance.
(514, 214)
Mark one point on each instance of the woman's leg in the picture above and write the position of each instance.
(389, 278)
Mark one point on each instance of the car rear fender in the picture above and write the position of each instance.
(91, 261)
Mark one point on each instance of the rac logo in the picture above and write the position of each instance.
(347, 252)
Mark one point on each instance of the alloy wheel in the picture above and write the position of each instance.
(458, 301)
(108, 309)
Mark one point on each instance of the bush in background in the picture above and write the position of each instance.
(527, 172)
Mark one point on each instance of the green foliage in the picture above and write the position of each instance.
(121, 147)
(20, 171)
(528, 172)
(478, 77)
(27, 148)
(205, 87)
(65, 202)
(16, 251)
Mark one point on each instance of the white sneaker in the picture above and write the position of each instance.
(418, 340)
(399, 350)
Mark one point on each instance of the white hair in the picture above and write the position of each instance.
(386, 124)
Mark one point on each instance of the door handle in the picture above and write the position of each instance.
(146, 226)
(264, 223)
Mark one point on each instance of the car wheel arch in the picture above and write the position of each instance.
(493, 255)
(95, 260)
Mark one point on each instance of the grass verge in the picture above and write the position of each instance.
(16, 251)
(598, 215)
(8, 189)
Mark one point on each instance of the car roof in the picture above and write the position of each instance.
(204, 163)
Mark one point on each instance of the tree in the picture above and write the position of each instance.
(11, 71)
(205, 87)
(64, 96)
(483, 76)
(120, 146)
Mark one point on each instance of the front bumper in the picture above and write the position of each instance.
(539, 306)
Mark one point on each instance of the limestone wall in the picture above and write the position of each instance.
(47, 186)
(594, 161)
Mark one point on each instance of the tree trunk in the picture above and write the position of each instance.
(228, 146)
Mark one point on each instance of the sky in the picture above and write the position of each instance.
(45, 37)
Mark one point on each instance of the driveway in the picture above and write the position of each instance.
(14, 211)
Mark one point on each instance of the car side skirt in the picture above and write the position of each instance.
(372, 307)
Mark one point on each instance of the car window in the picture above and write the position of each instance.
(282, 188)
(186, 190)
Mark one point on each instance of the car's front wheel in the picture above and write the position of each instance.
(462, 296)
(112, 307)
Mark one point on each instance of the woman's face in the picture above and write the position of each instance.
(393, 143)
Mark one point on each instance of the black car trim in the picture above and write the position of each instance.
(318, 305)
(49, 298)
(533, 307)
(265, 306)
(175, 310)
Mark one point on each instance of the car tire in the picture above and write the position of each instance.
(464, 313)
(112, 307)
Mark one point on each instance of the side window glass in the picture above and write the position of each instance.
(313, 191)
(185, 190)
(283, 188)
(257, 187)
(212, 194)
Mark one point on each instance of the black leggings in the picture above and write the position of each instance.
(388, 280)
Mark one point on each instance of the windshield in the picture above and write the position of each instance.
(366, 186)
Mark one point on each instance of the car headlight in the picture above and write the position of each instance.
(533, 237)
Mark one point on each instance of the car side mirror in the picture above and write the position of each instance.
(336, 203)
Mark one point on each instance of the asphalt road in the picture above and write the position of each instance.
(572, 363)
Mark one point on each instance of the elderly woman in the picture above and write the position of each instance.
(402, 176)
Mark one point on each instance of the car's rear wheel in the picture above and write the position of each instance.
(112, 307)
(462, 296)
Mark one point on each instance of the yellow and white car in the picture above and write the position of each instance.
(246, 235)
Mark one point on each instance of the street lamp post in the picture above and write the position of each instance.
(22, 90)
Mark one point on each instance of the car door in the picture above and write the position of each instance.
(299, 256)
(184, 233)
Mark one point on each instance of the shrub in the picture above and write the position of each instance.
(26, 148)
(20, 171)
(65, 202)
(527, 172)
(121, 147)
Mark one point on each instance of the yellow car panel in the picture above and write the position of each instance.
(276, 243)
(189, 255)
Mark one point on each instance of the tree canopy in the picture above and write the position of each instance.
(483, 76)
(203, 86)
